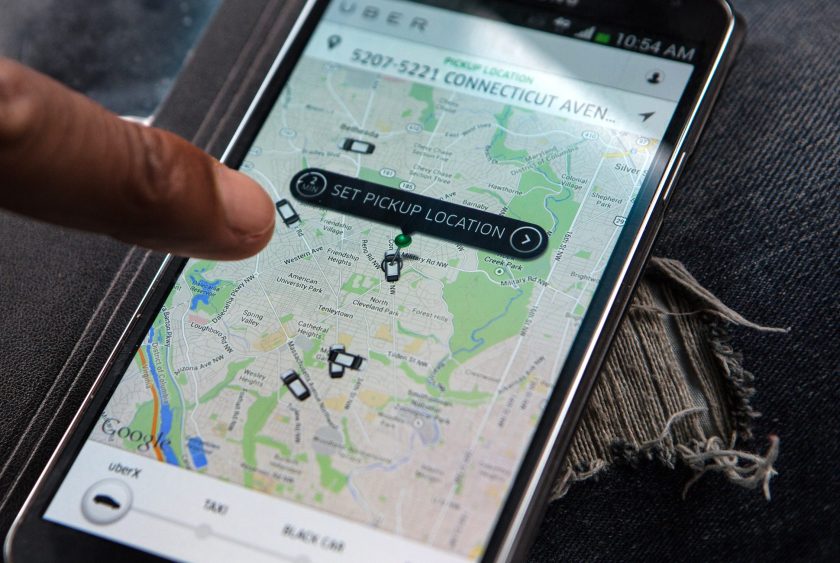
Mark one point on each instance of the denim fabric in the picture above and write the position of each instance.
(755, 219)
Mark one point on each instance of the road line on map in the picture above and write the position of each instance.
(373, 91)
(180, 391)
(270, 183)
(609, 244)
(431, 137)
(354, 161)
(192, 372)
(394, 370)
(563, 349)
(306, 242)
(155, 401)
(538, 134)
(362, 427)
(470, 451)
(285, 122)
(339, 100)
(270, 304)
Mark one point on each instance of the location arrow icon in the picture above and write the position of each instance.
(647, 115)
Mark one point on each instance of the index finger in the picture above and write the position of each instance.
(66, 160)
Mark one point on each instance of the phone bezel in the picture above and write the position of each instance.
(39, 538)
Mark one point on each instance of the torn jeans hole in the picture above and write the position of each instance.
(673, 389)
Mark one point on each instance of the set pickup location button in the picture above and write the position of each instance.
(414, 213)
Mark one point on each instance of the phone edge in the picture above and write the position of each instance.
(519, 535)
(532, 505)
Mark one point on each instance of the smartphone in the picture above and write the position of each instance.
(466, 192)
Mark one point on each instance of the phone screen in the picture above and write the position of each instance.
(450, 186)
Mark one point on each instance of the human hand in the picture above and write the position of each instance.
(66, 160)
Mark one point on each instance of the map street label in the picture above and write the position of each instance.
(415, 213)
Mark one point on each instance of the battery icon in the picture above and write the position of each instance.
(604, 38)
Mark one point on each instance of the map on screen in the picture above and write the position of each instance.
(407, 405)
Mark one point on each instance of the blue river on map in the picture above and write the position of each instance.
(195, 445)
(165, 410)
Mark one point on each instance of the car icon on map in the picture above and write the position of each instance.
(392, 265)
(336, 370)
(355, 145)
(340, 357)
(287, 212)
(298, 388)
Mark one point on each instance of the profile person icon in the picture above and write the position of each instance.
(655, 77)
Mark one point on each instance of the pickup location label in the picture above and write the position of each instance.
(415, 213)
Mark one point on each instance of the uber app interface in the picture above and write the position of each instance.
(449, 190)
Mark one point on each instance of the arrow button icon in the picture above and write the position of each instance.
(647, 115)
(526, 240)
